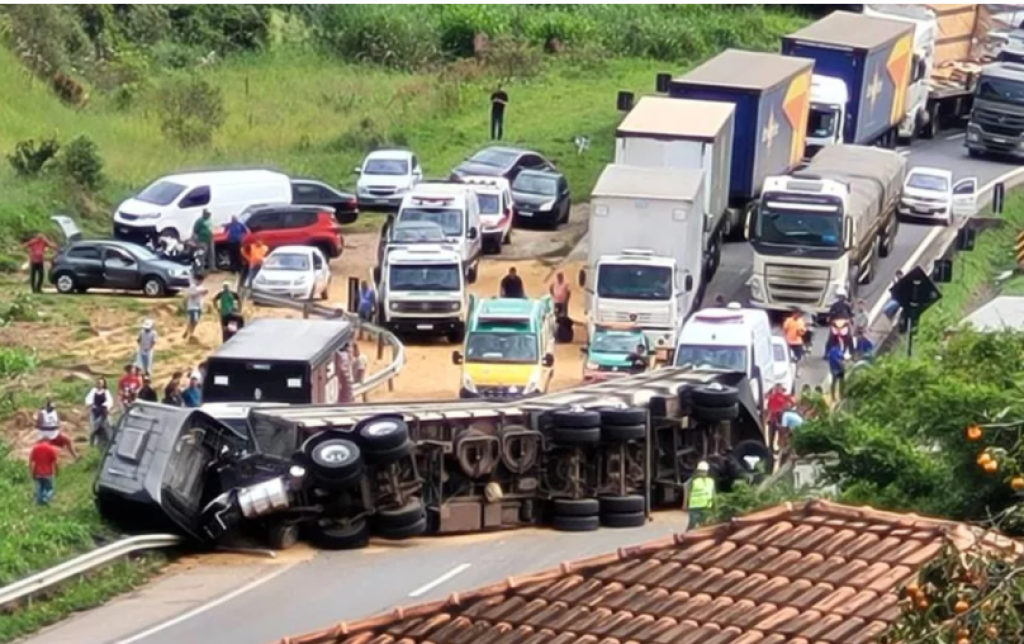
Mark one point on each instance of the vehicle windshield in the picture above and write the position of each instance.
(927, 182)
(780, 353)
(716, 357)
(424, 277)
(501, 346)
(1001, 91)
(143, 254)
(390, 167)
(786, 226)
(449, 219)
(418, 233)
(161, 193)
(633, 282)
(535, 184)
(287, 262)
(615, 343)
(490, 204)
(822, 122)
(495, 158)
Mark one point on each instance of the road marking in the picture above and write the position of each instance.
(198, 610)
(954, 137)
(454, 572)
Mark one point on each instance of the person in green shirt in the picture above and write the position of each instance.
(202, 235)
(700, 495)
(229, 307)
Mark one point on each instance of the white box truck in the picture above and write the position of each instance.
(646, 241)
(678, 133)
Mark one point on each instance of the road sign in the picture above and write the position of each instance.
(916, 292)
(1019, 248)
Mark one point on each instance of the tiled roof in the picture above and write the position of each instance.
(818, 573)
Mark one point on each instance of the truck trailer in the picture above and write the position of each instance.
(862, 68)
(676, 133)
(646, 249)
(771, 96)
(823, 229)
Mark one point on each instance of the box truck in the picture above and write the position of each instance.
(674, 133)
(646, 239)
(823, 229)
(771, 96)
(862, 68)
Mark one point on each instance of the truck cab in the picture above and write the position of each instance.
(997, 121)
(453, 207)
(423, 290)
(827, 118)
(509, 350)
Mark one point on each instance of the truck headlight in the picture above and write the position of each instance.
(454, 306)
(467, 384)
(756, 288)
(392, 306)
(973, 136)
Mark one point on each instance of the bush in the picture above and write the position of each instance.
(81, 162)
(15, 362)
(29, 158)
(190, 111)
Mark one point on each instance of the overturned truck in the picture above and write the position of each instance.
(600, 455)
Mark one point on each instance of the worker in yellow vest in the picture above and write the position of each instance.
(700, 497)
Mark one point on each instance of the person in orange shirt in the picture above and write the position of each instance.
(794, 328)
(253, 255)
(37, 247)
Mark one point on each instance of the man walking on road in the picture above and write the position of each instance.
(236, 232)
(512, 285)
(252, 260)
(202, 236)
(794, 328)
(145, 344)
(700, 495)
(228, 307)
(499, 99)
(48, 425)
(194, 307)
(836, 358)
(42, 463)
(37, 247)
(560, 295)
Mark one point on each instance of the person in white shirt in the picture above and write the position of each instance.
(48, 427)
(194, 306)
(145, 343)
(99, 401)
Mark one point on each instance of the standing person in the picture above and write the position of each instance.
(359, 364)
(146, 392)
(794, 329)
(145, 344)
(499, 100)
(202, 236)
(892, 307)
(367, 303)
(48, 425)
(42, 463)
(560, 295)
(128, 386)
(837, 368)
(252, 258)
(863, 347)
(194, 306)
(236, 232)
(860, 317)
(193, 394)
(777, 402)
(172, 391)
(512, 285)
(228, 306)
(700, 495)
(37, 246)
(99, 401)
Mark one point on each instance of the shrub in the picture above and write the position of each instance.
(508, 57)
(15, 362)
(29, 158)
(190, 111)
(81, 162)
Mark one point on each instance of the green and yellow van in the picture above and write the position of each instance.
(509, 349)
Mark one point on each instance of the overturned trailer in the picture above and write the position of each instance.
(600, 455)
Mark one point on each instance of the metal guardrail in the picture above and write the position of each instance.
(47, 579)
(383, 336)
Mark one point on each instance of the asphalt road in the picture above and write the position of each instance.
(345, 586)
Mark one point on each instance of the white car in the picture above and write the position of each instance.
(495, 197)
(385, 177)
(930, 193)
(294, 271)
(785, 370)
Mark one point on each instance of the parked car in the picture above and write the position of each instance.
(542, 197)
(310, 192)
(500, 161)
(385, 176)
(294, 271)
(931, 194)
(494, 195)
(284, 225)
(80, 265)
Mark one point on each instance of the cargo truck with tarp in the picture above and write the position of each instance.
(771, 96)
(823, 228)
(862, 69)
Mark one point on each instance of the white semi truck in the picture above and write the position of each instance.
(823, 228)
(646, 258)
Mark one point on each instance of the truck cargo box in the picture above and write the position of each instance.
(872, 56)
(771, 94)
(676, 133)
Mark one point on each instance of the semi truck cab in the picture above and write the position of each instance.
(827, 119)
(997, 121)
(423, 290)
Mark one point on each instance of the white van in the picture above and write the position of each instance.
(171, 205)
(732, 338)
(453, 207)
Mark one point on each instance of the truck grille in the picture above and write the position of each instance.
(998, 122)
(640, 319)
(422, 307)
(499, 393)
(796, 285)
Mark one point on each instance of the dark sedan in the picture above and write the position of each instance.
(499, 161)
(310, 192)
(542, 198)
(82, 265)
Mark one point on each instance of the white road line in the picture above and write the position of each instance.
(205, 607)
(457, 570)
(954, 137)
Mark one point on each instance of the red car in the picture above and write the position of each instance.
(286, 226)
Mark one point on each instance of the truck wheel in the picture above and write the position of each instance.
(576, 435)
(281, 536)
(575, 507)
(622, 504)
(330, 534)
(714, 396)
(404, 532)
(753, 449)
(716, 414)
(931, 128)
(382, 433)
(393, 455)
(623, 433)
(400, 517)
(336, 462)
(624, 520)
(577, 419)
(575, 524)
(458, 333)
(626, 417)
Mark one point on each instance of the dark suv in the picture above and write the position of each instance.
(310, 192)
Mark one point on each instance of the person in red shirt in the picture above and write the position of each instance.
(37, 247)
(128, 386)
(778, 401)
(42, 463)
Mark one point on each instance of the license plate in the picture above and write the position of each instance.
(923, 211)
(525, 213)
(380, 201)
(424, 327)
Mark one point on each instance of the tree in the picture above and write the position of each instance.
(191, 110)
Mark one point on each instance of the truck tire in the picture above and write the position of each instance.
(399, 533)
(281, 536)
(715, 414)
(751, 448)
(625, 417)
(623, 433)
(575, 524)
(382, 433)
(714, 396)
(400, 517)
(573, 436)
(393, 455)
(335, 462)
(329, 534)
(624, 520)
(575, 507)
(573, 419)
(457, 334)
(622, 504)
(932, 125)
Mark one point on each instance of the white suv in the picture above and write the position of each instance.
(385, 177)
(494, 195)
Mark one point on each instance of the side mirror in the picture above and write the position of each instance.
(582, 278)
(472, 234)
(688, 283)
(549, 360)
(456, 357)
(357, 170)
